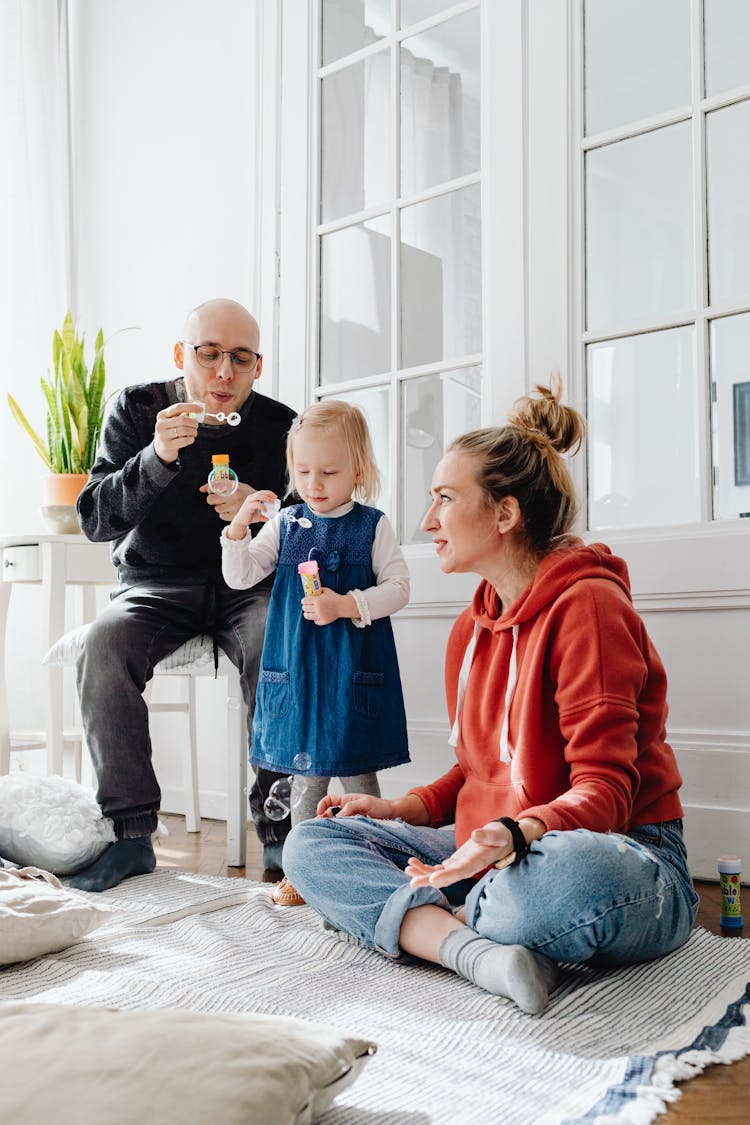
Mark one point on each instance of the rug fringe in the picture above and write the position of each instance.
(648, 1101)
(677, 1068)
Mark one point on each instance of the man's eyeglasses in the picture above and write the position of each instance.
(209, 356)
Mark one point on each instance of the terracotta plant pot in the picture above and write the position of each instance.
(60, 492)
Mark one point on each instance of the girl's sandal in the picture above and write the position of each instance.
(285, 895)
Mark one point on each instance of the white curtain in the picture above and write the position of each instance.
(34, 234)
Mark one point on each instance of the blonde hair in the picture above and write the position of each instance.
(350, 422)
(523, 459)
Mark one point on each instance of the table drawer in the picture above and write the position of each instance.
(22, 564)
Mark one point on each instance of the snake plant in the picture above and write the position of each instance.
(75, 403)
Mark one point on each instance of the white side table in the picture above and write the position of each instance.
(53, 562)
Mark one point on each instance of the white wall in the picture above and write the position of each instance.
(166, 162)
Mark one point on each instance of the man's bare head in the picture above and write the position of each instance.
(223, 374)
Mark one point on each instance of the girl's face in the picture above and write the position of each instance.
(464, 528)
(323, 472)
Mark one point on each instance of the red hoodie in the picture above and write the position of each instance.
(585, 736)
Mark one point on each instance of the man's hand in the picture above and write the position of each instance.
(227, 507)
(175, 429)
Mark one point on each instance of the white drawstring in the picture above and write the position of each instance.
(463, 679)
(505, 747)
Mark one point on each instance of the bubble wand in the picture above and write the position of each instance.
(232, 419)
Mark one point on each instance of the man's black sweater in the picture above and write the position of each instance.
(161, 526)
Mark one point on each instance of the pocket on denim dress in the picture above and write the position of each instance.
(274, 694)
(368, 693)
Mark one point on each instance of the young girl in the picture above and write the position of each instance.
(329, 700)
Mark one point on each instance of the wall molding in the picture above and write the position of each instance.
(692, 601)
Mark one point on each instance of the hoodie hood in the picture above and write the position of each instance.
(557, 572)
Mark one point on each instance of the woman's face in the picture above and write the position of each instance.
(464, 528)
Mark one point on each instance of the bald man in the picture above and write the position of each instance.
(148, 496)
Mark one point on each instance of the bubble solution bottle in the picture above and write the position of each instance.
(222, 479)
(730, 870)
(308, 572)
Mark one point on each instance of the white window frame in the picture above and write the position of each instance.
(503, 357)
(700, 316)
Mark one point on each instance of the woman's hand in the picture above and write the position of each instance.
(356, 804)
(248, 512)
(484, 847)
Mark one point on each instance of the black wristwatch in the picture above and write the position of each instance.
(520, 847)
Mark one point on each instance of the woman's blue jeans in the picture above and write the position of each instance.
(577, 896)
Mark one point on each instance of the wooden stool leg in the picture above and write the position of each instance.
(190, 765)
(236, 773)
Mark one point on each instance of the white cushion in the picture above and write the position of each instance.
(51, 822)
(195, 653)
(38, 915)
(88, 1066)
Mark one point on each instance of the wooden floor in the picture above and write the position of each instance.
(721, 1094)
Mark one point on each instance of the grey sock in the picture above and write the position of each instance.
(362, 783)
(306, 793)
(504, 970)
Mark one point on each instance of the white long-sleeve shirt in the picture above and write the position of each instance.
(245, 562)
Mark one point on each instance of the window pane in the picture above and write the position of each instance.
(349, 25)
(413, 11)
(639, 229)
(728, 176)
(355, 302)
(436, 409)
(637, 60)
(441, 273)
(375, 404)
(730, 415)
(355, 149)
(643, 416)
(727, 44)
(440, 103)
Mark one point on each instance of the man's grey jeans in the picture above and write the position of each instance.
(142, 625)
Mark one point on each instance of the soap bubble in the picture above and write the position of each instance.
(278, 802)
(274, 809)
(302, 762)
(298, 791)
(281, 790)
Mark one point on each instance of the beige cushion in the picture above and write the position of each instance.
(89, 1066)
(195, 653)
(38, 915)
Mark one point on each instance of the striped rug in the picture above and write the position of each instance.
(610, 1046)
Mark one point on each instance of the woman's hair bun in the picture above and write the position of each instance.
(544, 420)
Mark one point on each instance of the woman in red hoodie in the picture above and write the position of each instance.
(566, 842)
